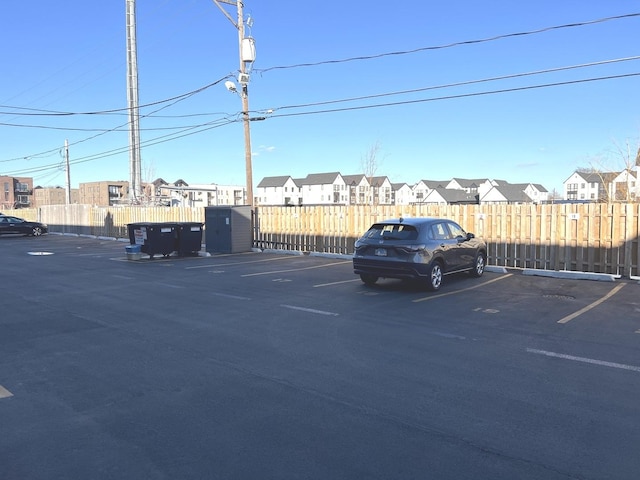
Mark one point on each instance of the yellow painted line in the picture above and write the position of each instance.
(336, 283)
(4, 393)
(613, 291)
(294, 269)
(463, 290)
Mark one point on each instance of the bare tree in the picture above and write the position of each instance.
(619, 164)
(369, 163)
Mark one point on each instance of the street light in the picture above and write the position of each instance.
(247, 52)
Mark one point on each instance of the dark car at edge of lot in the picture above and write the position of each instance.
(10, 225)
(423, 249)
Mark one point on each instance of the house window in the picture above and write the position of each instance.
(22, 187)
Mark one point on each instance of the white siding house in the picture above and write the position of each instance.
(324, 189)
(358, 188)
(402, 194)
(281, 190)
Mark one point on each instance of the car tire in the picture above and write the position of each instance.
(368, 279)
(478, 265)
(434, 276)
(36, 231)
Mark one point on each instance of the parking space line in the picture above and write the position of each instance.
(584, 360)
(4, 393)
(613, 291)
(294, 269)
(336, 283)
(209, 265)
(310, 310)
(463, 290)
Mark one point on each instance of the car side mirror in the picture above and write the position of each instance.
(470, 236)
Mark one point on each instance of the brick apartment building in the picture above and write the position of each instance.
(104, 193)
(16, 192)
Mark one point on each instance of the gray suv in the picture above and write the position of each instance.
(423, 249)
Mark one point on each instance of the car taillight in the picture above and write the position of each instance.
(411, 248)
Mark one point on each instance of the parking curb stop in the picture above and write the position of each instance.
(601, 277)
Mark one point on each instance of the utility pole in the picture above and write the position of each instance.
(68, 173)
(135, 174)
(243, 78)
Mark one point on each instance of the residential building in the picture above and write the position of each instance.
(104, 193)
(359, 189)
(281, 190)
(324, 189)
(450, 196)
(600, 186)
(401, 194)
(381, 190)
(17, 192)
(54, 196)
(333, 188)
(424, 187)
(182, 194)
(506, 193)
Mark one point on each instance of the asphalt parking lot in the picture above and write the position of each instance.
(264, 365)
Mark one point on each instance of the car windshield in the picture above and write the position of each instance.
(392, 231)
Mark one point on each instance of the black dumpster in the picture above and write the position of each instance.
(189, 238)
(154, 238)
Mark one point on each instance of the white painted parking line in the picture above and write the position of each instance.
(225, 295)
(294, 269)
(615, 290)
(4, 393)
(310, 310)
(584, 360)
(210, 265)
(336, 283)
(431, 297)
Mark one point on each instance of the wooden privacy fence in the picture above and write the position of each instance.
(598, 237)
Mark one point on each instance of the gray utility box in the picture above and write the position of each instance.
(228, 229)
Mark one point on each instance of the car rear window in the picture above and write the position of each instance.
(392, 231)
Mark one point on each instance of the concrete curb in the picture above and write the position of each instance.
(600, 277)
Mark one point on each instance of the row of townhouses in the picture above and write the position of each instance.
(330, 188)
(334, 188)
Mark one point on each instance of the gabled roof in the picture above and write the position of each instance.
(435, 183)
(398, 186)
(596, 177)
(377, 181)
(159, 181)
(180, 183)
(513, 192)
(321, 178)
(470, 182)
(353, 179)
(274, 181)
(453, 195)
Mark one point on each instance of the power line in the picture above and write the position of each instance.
(467, 82)
(462, 95)
(450, 45)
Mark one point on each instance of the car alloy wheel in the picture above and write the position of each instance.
(36, 232)
(478, 265)
(435, 277)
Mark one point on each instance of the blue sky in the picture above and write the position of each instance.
(349, 69)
